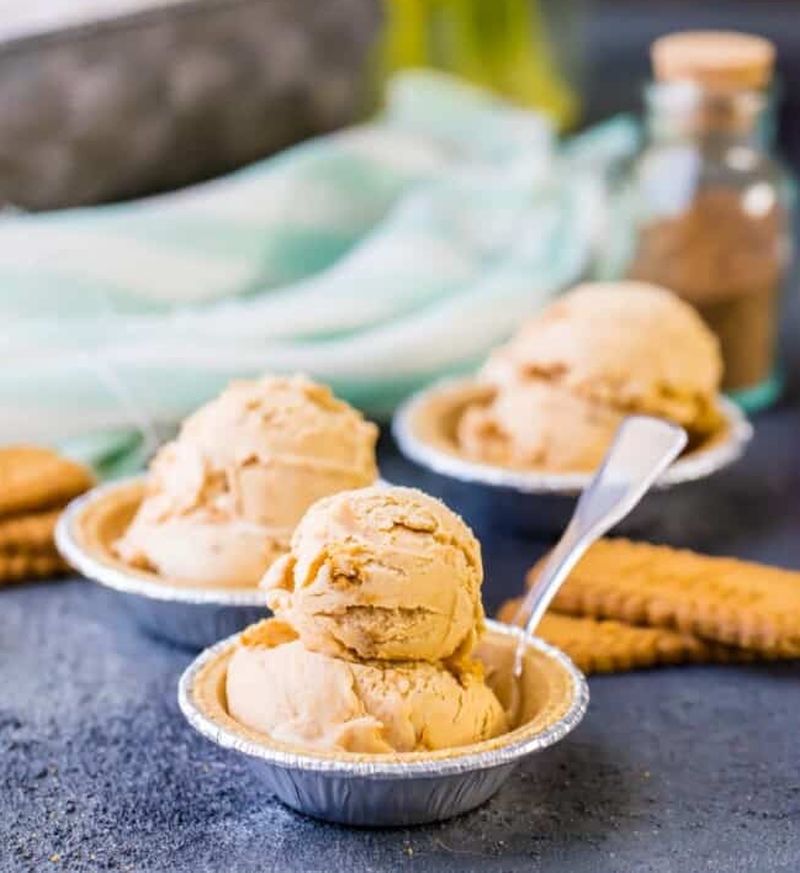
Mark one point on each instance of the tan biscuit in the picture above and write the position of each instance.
(28, 533)
(725, 600)
(602, 646)
(21, 567)
(34, 478)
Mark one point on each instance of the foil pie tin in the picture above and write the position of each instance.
(187, 616)
(530, 501)
(403, 789)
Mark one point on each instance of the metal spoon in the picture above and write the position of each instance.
(642, 449)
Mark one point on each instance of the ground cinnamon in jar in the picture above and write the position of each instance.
(712, 220)
(724, 254)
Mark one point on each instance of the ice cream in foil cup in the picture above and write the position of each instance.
(377, 694)
(525, 434)
(538, 502)
(407, 788)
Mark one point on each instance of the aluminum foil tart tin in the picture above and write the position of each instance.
(187, 616)
(528, 500)
(403, 789)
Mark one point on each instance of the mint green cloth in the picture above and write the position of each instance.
(374, 259)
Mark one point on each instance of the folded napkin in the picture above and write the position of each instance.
(373, 259)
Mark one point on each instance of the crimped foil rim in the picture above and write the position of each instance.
(454, 764)
(696, 465)
(129, 583)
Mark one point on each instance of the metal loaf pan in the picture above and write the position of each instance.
(162, 95)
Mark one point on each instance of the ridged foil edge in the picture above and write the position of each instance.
(454, 764)
(697, 465)
(129, 583)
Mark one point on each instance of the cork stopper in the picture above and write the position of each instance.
(715, 59)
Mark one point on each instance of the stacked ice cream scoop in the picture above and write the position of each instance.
(378, 609)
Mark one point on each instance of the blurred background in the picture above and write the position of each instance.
(454, 212)
(108, 99)
(619, 32)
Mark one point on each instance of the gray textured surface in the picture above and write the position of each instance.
(673, 770)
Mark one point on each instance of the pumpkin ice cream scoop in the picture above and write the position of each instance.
(561, 385)
(381, 573)
(222, 500)
(536, 425)
(308, 699)
(632, 346)
(378, 610)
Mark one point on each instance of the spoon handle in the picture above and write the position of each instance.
(642, 449)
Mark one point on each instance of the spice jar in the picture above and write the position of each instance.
(710, 204)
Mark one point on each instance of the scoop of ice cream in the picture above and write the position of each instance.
(536, 425)
(189, 551)
(630, 346)
(382, 572)
(276, 686)
(379, 609)
(223, 498)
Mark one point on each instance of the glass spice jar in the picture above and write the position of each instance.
(710, 204)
